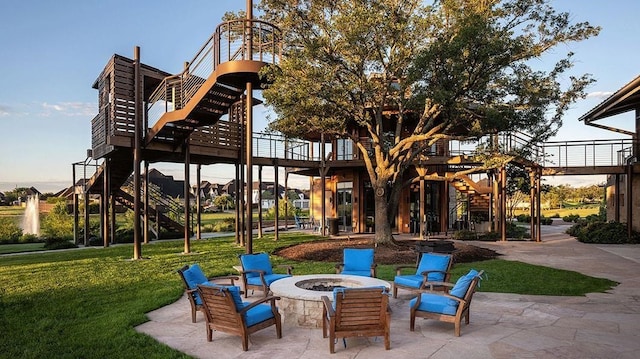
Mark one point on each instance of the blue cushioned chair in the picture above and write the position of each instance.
(225, 311)
(433, 267)
(357, 261)
(191, 277)
(356, 312)
(445, 307)
(257, 272)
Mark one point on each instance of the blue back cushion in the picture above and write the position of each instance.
(358, 259)
(259, 261)
(194, 276)
(462, 285)
(431, 261)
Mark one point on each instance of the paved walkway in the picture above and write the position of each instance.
(600, 325)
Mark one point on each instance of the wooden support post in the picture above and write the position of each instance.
(187, 209)
(198, 204)
(145, 225)
(276, 196)
(259, 201)
(106, 194)
(503, 203)
(137, 154)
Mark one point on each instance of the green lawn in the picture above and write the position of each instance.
(85, 303)
(21, 247)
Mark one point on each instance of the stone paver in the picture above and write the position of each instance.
(599, 325)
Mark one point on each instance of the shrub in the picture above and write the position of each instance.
(517, 232)
(556, 215)
(571, 218)
(523, 218)
(225, 225)
(602, 232)
(546, 221)
(10, 232)
(59, 243)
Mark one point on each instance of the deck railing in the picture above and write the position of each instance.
(230, 42)
(589, 153)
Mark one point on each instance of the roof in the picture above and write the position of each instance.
(625, 99)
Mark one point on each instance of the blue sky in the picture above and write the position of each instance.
(51, 53)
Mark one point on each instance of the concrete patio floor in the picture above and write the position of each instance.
(599, 325)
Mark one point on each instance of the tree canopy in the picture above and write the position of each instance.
(408, 73)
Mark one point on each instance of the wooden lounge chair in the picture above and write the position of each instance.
(192, 276)
(356, 312)
(451, 307)
(433, 267)
(357, 261)
(226, 312)
(257, 272)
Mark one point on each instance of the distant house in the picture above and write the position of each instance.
(166, 184)
(3, 199)
(208, 190)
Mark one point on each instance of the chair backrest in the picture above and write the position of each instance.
(360, 309)
(192, 276)
(256, 261)
(358, 259)
(435, 262)
(220, 306)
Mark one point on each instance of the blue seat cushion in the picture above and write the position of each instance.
(430, 262)
(410, 280)
(257, 314)
(258, 261)
(269, 278)
(234, 290)
(435, 303)
(463, 283)
(194, 276)
(363, 273)
(356, 259)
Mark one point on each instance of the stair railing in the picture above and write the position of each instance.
(228, 43)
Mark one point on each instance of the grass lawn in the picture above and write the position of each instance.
(85, 303)
(21, 247)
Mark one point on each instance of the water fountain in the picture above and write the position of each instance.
(31, 218)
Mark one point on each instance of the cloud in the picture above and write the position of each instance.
(5, 110)
(70, 109)
(599, 94)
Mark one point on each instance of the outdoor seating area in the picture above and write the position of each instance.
(355, 308)
(432, 267)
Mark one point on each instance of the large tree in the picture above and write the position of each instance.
(409, 74)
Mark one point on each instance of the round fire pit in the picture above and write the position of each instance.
(300, 302)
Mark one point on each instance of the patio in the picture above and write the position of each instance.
(600, 325)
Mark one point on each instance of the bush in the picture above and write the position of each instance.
(523, 218)
(571, 218)
(59, 243)
(225, 225)
(516, 232)
(546, 221)
(556, 215)
(10, 232)
(603, 233)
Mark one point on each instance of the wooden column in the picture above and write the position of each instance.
(276, 195)
(259, 201)
(145, 225)
(106, 194)
(198, 204)
(137, 155)
(503, 203)
(187, 209)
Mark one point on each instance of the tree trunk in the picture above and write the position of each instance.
(382, 220)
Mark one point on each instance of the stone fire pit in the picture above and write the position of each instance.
(301, 306)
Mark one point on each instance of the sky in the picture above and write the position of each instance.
(51, 52)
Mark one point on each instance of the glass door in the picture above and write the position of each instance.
(345, 206)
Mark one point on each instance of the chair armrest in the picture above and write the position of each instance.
(400, 268)
(339, 267)
(271, 299)
(288, 267)
(429, 285)
(260, 272)
(328, 306)
(230, 278)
